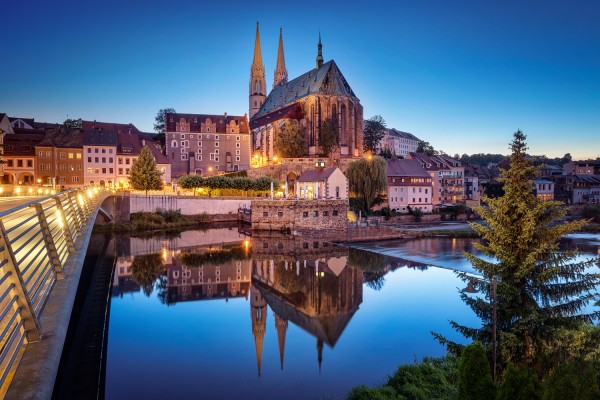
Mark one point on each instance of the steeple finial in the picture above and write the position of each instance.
(257, 52)
(320, 53)
(281, 75)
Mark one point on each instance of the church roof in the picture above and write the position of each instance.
(326, 80)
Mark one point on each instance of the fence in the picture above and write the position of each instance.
(36, 240)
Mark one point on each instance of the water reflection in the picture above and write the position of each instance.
(306, 282)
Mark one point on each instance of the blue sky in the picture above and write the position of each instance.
(462, 75)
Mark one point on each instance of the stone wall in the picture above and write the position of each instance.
(299, 214)
(187, 205)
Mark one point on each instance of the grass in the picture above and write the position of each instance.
(153, 221)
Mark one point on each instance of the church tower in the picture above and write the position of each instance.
(281, 76)
(258, 83)
(281, 325)
(258, 313)
(319, 53)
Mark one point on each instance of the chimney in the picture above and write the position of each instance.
(225, 115)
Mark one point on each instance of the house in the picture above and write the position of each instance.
(21, 164)
(129, 146)
(322, 183)
(409, 185)
(61, 151)
(399, 143)
(99, 157)
(447, 176)
(583, 167)
(544, 189)
(201, 144)
(586, 189)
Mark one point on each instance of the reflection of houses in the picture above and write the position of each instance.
(307, 283)
(208, 273)
(123, 281)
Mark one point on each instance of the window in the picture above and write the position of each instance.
(49, 167)
(89, 159)
(48, 154)
(78, 156)
(75, 179)
(89, 170)
(265, 214)
(174, 143)
(96, 159)
(184, 157)
(9, 163)
(335, 213)
(127, 161)
(315, 213)
(237, 138)
(111, 171)
(103, 151)
(62, 167)
(127, 171)
(280, 214)
(89, 150)
(216, 151)
(305, 214)
(216, 138)
(71, 155)
(109, 151)
(120, 171)
(325, 213)
(20, 163)
(199, 151)
(217, 159)
(96, 150)
(199, 144)
(216, 144)
(212, 157)
(96, 170)
(237, 152)
(62, 155)
(199, 157)
(110, 160)
(103, 160)
(120, 161)
(103, 170)
(237, 158)
(29, 163)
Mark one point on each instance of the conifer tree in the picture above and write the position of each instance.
(474, 375)
(541, 292)
(144, 175)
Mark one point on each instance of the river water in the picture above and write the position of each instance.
(218, 315)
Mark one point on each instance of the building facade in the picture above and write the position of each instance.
(201, 144)
(312, 98)
(99, 157)
(447, 177)
(399, 143)
(322, 183)
(409, 185)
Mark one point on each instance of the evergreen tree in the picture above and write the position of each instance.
(474, 375)
(159, 126)
(540, 291)
(144, 175)
(373, 132)
(290, 142)
(367, 178)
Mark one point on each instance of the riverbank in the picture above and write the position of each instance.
(158, 220)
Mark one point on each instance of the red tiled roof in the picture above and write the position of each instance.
(316, 175)
(405, 168)
(109, 126)
(220, 120)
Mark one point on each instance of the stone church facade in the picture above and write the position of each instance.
(315, 96)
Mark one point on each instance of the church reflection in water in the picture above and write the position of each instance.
(306, 282)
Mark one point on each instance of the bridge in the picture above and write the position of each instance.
(42, 245)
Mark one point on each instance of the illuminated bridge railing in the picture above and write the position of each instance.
(36, 240)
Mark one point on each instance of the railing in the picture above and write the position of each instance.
(36, 240)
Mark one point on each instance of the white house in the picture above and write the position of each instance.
(322, 183)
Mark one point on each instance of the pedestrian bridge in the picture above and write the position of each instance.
(38, 243)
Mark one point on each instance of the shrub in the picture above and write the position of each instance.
(433, 378)
(366, 393)
(519, 384)
(475, 377)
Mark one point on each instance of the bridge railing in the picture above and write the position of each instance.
(36, 240)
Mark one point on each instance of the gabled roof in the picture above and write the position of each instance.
(64, 139)
(156, 152)
(326, 80)
(128, 144)
(406, 167)
(221, 120)
(99, 138)
(22, 144)
(400, 134)
(316, 175)
(109, 126)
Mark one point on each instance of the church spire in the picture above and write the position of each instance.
(281, 326)
(258, 314)
(258, 83)
(281, 75)
(320, 53)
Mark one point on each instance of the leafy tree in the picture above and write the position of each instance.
(475, 378)
(367, 178)
(387, 153)
(73, 123)
(290, 141)
(425, 147)
(518, 384)
(433, 378)
(540, 291)
(159, 125)
(566, 158)
(373, 132)
(145, 270)
(329, 136)
(579, 381)
(144, 175)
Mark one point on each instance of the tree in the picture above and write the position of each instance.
(144, 175)
(291, 142)
(541, 292)
(145, 270)
(474, 375)
(73, 123)
(367, 178)
(425, 147)
(374, 130)
(159, 125)
(329, 136)
(518, 384)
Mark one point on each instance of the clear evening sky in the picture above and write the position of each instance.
(463, 75)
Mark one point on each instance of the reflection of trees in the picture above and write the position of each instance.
(213, 257)
(373, 266)
(163, 290)
(145, 270)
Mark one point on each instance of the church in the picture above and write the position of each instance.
(315, 96)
